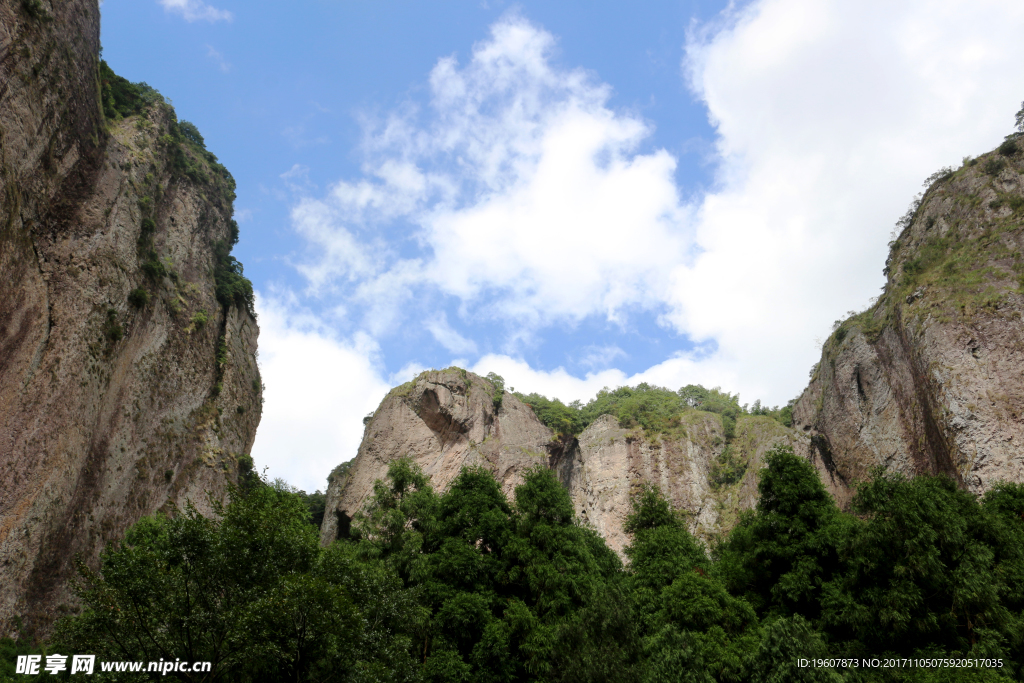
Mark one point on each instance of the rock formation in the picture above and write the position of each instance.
(697, 471)
(448, 419)
(444, 420)
(126, 387)
(929, 379)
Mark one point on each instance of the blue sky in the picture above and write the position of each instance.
(572, 194)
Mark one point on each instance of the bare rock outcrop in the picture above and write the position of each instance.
(123, 390)
(929, 380)
(697, 471)
(443, 420)
(446, 420)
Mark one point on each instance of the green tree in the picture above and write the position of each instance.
(562, 419)
(399, 513)
(692, 629)
(780, 556)
(250, 591)
(508, 586)
(930, 570)
(188, 130)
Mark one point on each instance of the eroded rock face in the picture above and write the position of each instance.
(109, 410)
(446, 420)
(609, 463)
(930, 379)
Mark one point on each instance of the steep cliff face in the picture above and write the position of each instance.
(930, 379)
(443, 420)
(126, 387)
(448, 419)
(710, 480)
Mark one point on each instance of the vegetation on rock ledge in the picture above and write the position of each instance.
(189, 159)
(656, 410)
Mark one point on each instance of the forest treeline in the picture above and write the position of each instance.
(470, 586)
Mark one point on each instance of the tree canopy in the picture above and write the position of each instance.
(469, 585)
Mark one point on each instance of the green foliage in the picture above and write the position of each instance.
(1008, 148)
(248, 478)
(993, 166)
(508, 585)
(785, 415)
(120, 97)
(35, 10)
(250, 591)
(153, 267)
(656, 410)
(470, 586)
(691, 627)
(112, 329)
(10, 650)
(191, 134)
(498, 382)
(200, 318)
(316, 503)
(728, 468)
(138, 297)
(340, 471)
(779, 558)
(931, 569)
(728, 427)
(399, 513)
(562, 419)
(232, 286)
(146, 230)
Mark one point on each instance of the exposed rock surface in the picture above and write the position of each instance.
(446, 420)
(109, 410)
(609, 463)
(931, 378)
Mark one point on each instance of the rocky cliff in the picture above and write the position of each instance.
(699, 472)
(126, 384)
(929, 379)
(445, 420)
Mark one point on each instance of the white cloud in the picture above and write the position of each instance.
(523, 171)
(447, 336)
(196, 10)
(216, 56)
(594, 356)
(318, 389)
(525, 196)
(829, 115)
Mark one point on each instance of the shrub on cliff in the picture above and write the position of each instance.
(654, 409)
(564, 420)
(232, 286)
(120, 97)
